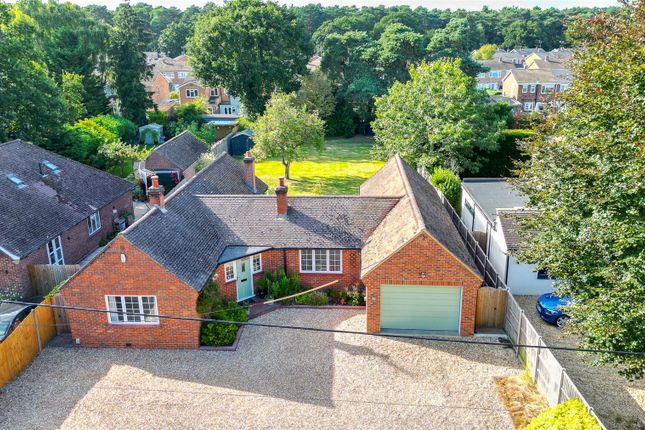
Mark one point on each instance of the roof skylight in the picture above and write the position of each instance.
(16, 180)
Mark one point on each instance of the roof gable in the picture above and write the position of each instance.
(47, 203)
(182, 150)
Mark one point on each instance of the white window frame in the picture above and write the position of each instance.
(259, 259)
(190, 91)
(169, 75)
(530, 106)
(564, 87)
(533, 87)
(547, 88)
(226, 266)
(313, 261)
(525, 88)
(94, 223)
(139, 311)
(495, 74)
(214, 92)
(53, 249)
(182, 75)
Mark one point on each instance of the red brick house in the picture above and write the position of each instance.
(55, 211)
(396, 238)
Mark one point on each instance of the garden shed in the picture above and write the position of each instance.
(241, 142)
(151, 134)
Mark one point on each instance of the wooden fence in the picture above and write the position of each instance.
(491, 308)
(44, 277)
(25, 342)
(549, 376)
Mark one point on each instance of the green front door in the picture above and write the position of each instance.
(407, 307)
(244, 279)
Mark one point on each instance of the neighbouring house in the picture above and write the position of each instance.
(241, 142)
(172, 83)
(395, 238)
(520, 278)
(175, 160)
(535, 88)
(55, 211)
(497, 69)
(491, 209)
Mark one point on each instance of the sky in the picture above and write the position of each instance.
(439, 4)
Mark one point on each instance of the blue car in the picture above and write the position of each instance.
(549, 307)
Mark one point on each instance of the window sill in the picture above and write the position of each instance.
(320, 273)
(153, 324)
(94, 233)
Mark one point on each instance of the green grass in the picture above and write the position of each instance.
(339, 169)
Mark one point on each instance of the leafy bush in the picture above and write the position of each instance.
(449, 184)
(316, 298)
(278, 284)
(125, 129)
(570, 415)
(210, 304)
(352, 296)
(158, 117)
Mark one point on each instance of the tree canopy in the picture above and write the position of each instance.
(585, 176)
(251, 48)
(437, 119)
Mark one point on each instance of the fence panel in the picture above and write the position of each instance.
(549, 376)
(44, 277)
(491, 308)
(25, 342)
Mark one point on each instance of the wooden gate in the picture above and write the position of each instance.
(491, 308)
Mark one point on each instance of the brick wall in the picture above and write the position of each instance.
(76, 242)
(440, 268)
(274, 259)
(139, 275)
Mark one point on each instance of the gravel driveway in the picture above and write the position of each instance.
(276, 379)
(619, 404)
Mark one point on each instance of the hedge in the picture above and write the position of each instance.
(570, 415)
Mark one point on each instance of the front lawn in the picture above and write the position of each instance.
(339, 169)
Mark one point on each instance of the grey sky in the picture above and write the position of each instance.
(439, 4)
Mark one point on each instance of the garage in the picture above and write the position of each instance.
(416, 307)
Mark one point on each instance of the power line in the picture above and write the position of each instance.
(326, 330)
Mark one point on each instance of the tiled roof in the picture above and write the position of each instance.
(499, 64)
(197, 225)
(492, 194)
(182, 150)
(540, 76)
(510, 221)
(49, 203)
(418, 209)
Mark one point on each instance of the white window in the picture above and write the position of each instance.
(528, 106)
(547, 88)
(144, 306)
(533, 88)
(495, 74)
(182, 75)
(481, 75)
(192, 93)
(94, 223)
(170, 75)
(229, 272)
(563, 87)
(214, 92)
(525, 88)
(321, 260)
(228, 110)
(55, 251)
(492, 86)
(257, 263)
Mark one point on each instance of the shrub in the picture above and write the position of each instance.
(210, 304)
(570, 415)
(278, 284)
(352, 296)
(204, 160)
(158, 117)
(316, 298)
(449, 184)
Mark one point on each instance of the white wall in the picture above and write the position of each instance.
(522, 280)
(497, 251)
(480, 219)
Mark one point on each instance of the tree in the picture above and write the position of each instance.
(399, 48)
(485, 52)
(117, 153)
(30, 104)
(437, 119)
(585, 178)
(173, 38)
(127, 64)
(449, 184)
(285, 130)
(73, 93)
(457, 40)
(316, 94)
(251, 48)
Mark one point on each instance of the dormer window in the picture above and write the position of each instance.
(51, 166)
(16, 180)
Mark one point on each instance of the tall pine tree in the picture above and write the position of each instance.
(127, 66)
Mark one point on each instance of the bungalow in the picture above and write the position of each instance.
(55, 211)
(492, 210)
(395, 238)
(176, 159)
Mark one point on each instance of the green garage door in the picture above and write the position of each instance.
(406, 307)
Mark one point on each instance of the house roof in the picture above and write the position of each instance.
(419, 209)
(491, 194)
(540, 76)
(499, 64)
(49, 203)
(182, 150)
(511, 222)
(198, 224)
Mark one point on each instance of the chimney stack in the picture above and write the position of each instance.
(155, 192)
(249, 171)
(281, 197)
